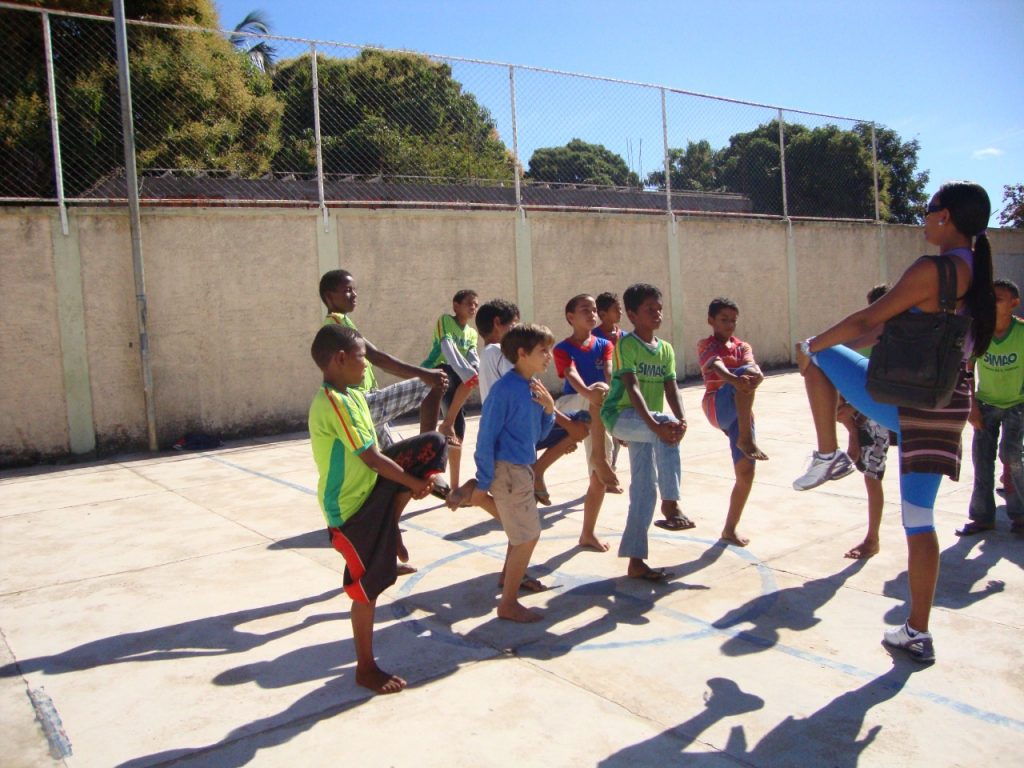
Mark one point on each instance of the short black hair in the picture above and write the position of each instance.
(719, 303)
(331, 339)
(495, 309)
(331, 281)
(1002, 282)
(637, 294)
(606, 301)
(570, 306)
(525, 337)
(465, 293)
(877, 292)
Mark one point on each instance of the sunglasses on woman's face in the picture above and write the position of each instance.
(932, 208)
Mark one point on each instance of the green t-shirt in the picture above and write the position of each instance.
(369, 382)
(1000, 371)
(652, 364)
(447, 327)
(340, 428)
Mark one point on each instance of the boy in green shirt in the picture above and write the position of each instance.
(453, 350)
(422, 387)
(362, 491)
(999, 404)
(643, 382)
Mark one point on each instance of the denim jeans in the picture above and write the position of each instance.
(653, 466)
(983, 451)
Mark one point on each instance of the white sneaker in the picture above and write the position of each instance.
(919, 645)
(821, 470)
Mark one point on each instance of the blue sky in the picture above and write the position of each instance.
(948, 73)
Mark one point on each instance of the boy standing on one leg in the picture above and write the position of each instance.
(585, 362)
(643, 381)
(422, 388)
(731, 377)
(362, 491)
(518, 412)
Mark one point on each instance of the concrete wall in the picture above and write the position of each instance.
(232, 301)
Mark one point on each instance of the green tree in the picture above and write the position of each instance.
(899, 178)
(580, 163)
(198, 104)
(829, 171)
(387, 113)
(694, 168)
(1012, 215)
(751, 165)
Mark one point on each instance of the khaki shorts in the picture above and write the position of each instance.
(577, 402)
(512, 490)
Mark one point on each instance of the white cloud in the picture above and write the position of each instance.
(986, 153)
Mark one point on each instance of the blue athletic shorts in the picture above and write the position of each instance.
(557, 433)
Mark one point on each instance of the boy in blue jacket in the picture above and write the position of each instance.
(517, 414)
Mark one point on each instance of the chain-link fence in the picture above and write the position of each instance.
(260, 119)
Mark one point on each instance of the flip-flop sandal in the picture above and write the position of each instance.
(529, 584)
(653, 574)
(973, 528)
(404, 569)
(676, 523)
(441, 488)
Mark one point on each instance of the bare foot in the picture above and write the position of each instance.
(379, 681)
(751, 451)
(594, 543)
(864, 550)
(734, 538)
(540, 493)
(404, 569)
(607, 476)
(460, 496)
(518, 612)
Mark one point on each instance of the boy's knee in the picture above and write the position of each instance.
(745, 469)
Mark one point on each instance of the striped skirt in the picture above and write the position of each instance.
(930, 440)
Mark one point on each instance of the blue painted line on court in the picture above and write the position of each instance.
(707, 629)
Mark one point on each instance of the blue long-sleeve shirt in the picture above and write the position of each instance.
(511, 425)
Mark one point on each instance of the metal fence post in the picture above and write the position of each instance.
(316, 134)
(51, 90)
(668, 160)
(874, 169)
(675, 259)
(782, 166)
(132, 183)
(517, 167)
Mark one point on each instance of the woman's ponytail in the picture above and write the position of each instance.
(969, 210)
(981, 298)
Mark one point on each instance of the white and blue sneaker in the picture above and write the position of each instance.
(824, 467)
(919, 645)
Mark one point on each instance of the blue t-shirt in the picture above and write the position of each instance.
(590, 361)
(511, 425)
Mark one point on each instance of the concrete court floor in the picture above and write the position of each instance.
(184, 609)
